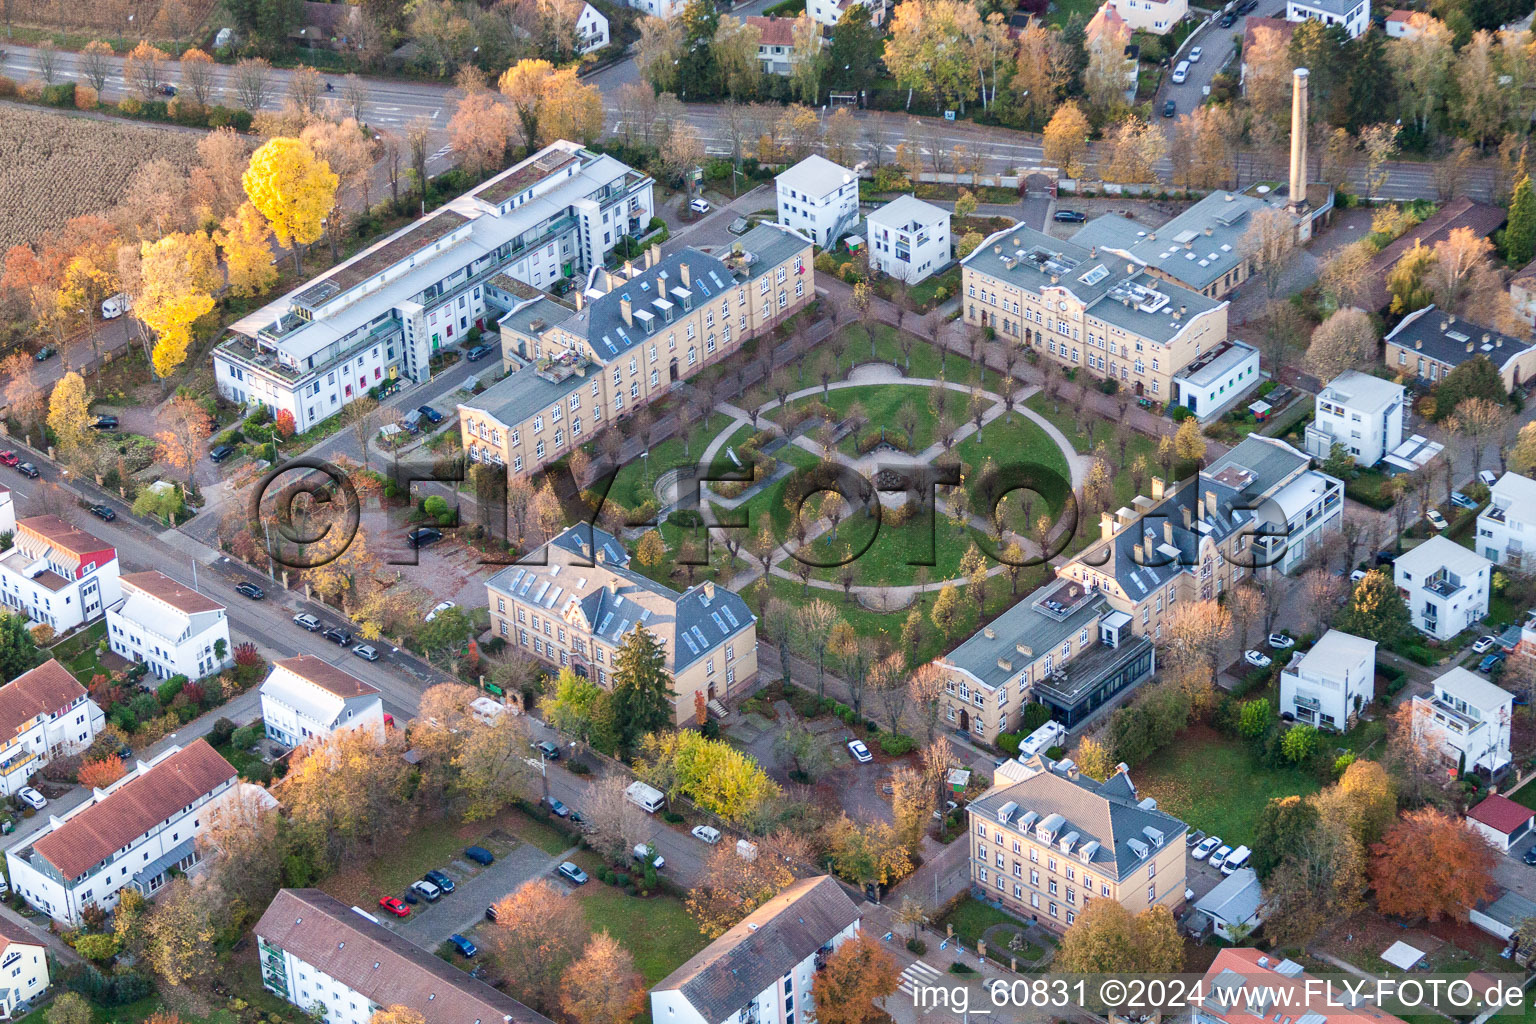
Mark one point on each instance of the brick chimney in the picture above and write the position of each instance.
(626, 311)
(1157, 488)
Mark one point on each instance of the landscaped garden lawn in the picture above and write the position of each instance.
(1215, 783)
(1139, 444)
(657, 930)
(78, 653)
(1021, 443)
(634, 484)
(881, 404)
(971, 918)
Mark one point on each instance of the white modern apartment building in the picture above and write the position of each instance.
(1329, 684)
(134, 833)
(1364, 413)
(169, 626)
(340, 962)
(819, 199)
(7, 512)
(44, 713)
(763, 967)
(24, 968)
(57, 574)
(1216, 380)
(1467, 718)
(1445, 586)
(908, 239)
(591, 30)
(1501, 527)
(829, 12)
(1354, 15)
(307, 698)
(385, 312)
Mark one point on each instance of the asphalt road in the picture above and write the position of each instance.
(391, 104)
(1218, 46)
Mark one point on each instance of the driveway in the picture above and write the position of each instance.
(1219, 45)
(459, 911)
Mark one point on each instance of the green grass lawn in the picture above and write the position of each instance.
(1020, 443)
(657, 930)
(634, 483)
(971, 918)
(881, 405)
(1214, 782)
(78, 653)
(1065, 9)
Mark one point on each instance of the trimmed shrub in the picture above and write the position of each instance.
(917, 946)
(60, 95)
(578, 768)
(1008, 742)
(223, 729)
(894, 744)
(672, 817)
(1056, 753)
(168, 690)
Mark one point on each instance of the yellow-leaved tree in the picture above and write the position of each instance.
(69, 414)
(293, 189)
(246, 240)
(569, 109)
(180, 273)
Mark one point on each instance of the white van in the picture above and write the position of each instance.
(648, 798)
(1236, 859)
(116, 306)
(1181, 72)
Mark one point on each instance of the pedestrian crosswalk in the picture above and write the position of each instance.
(919, 975)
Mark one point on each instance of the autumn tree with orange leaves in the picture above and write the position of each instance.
(186, 428)
(537, 937)
(101, 774)
(856, 974)
(1431, 865)
(603, 986)
(731, 887)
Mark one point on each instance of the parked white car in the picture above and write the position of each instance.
(1204, 849)
(699, 206)
(115, 306)
(1281, 642)
(1220, 856)
(707, 834)
(32, 798)
(1195, 54)
(860, 752)
(1258, 659)
(1436, 519)
(642, 853)
(440, 608)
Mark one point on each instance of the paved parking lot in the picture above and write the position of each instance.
(431, 923)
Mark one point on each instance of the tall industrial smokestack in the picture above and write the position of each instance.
(1299, 140)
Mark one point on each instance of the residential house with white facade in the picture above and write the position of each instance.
(775, 43)
(1329, 684)
(169, 626)
(384, 313)
(762, 969)
(24, 970)
(134, 833)
(1508, 521)
(1467, 719)
(908, 239)
(57, 574)
(306, 698)
(44, 713)
(591, 29)
(7, 512)
(321, 955)
(1445, 586)
(819, 199)
(1360, 411)
(1354, 15)
(1399, 24)
(664, 9)
(1155, 16)
(828, 13)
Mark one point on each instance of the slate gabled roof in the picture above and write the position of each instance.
(1106, 813)
(729, 973)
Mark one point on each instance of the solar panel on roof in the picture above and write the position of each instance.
(612, 348)
(705, 289)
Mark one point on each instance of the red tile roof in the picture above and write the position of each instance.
(1301, 1001)
(326, 676)
(1501, 814)
(178, 595)
(134, 808)
(774, 31)
(1399, 15)
(1458, 213)
(41, 691)
(13, 934)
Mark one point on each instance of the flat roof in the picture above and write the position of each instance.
(1217, 363)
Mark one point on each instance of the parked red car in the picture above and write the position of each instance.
(395, 906)
(9, 458)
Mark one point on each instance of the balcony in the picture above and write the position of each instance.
(1494, 514)
(1442, 586)
(19, 761)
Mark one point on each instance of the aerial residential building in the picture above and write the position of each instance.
(44, 713)
(7, 511)
(1501, 526)
(775, 43)
(1354, 15)
(1155, 16)
(384, 313)
(908, 239)
(1063, 646)
(1428, 344)
(1399, 25)
(169, 626)
(576, 599)
(1245, 985)
(1445, 586)
(1481, 219)
(1217, 380)
(1259, 508)
(762, 969)
(306, 698)
(633, 334)
(1362, 412)
(1329, 684)
(664, 9)
(819, 199)
(828, 13)
(1467, 719)
(24, 963)
(1084, 307)
(1047, 839)
(591, 29)
(57, 574)
(325, 957)
(134, 833)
